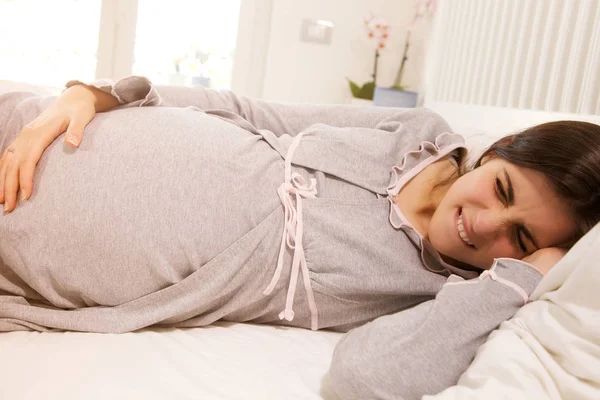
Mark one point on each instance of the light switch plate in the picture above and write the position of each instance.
(316, 31)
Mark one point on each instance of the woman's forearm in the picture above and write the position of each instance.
(102, 101)
(396, 356)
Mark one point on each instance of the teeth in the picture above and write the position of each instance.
(461, 231)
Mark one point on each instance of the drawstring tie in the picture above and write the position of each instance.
(294, 188)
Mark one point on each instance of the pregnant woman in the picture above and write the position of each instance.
(181, 207)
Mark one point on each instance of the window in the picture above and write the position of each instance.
(186, 42)
(48, 42)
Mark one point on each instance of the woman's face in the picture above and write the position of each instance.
(498, 210)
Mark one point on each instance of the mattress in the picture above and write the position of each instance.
(221, 361)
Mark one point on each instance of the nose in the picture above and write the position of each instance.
(489, 224)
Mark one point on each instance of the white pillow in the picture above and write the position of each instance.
(551, 348)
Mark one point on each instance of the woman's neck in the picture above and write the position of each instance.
(420, 197)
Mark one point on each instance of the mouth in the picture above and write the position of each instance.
(462, 231)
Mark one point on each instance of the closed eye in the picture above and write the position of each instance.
(501, 193)
(503, 197)
(519, 240)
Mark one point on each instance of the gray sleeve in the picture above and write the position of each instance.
(135, 91)
(425, 349)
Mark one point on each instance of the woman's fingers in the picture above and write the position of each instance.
(9, 177)
(11, 186)
(2, 176)
(28, 164)
(74, 133)
(69, 114)
(17, 166)
(546, 258)
(26, 172)
(7, 159)
(16, 175)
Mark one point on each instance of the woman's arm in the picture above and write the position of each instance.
(102, 101)
(425, 349)
(280, 118)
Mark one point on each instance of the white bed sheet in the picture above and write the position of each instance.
(221, 361)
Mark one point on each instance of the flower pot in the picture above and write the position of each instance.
(390, 97)
(361, 102)
(201, 81)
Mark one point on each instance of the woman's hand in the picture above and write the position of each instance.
(70, 113)
(545, 259)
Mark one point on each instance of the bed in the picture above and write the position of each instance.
(550, 350)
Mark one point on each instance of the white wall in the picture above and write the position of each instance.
(297, 71)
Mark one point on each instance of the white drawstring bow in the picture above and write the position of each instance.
(293, 189)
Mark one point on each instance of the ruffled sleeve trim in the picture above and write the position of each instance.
(131, 91)
(413, 163)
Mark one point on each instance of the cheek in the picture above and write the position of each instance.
(473, 188)
(501, 247)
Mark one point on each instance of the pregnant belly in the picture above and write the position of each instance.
(151, 195)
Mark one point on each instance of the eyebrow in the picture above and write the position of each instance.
(511, 200)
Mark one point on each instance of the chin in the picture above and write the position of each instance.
(463, 265)
(457, 261)
(453, 251)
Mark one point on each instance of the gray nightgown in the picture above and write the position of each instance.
(216, 207)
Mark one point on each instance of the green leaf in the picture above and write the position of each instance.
(367, 91)
(353, 88)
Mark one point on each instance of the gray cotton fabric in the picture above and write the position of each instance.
(425, 349)
(168, 214)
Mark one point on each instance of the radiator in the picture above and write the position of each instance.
(541, 55)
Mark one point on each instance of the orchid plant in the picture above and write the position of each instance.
(423, 8)
(377, 30)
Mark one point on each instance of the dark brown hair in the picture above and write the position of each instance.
(567, 153)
